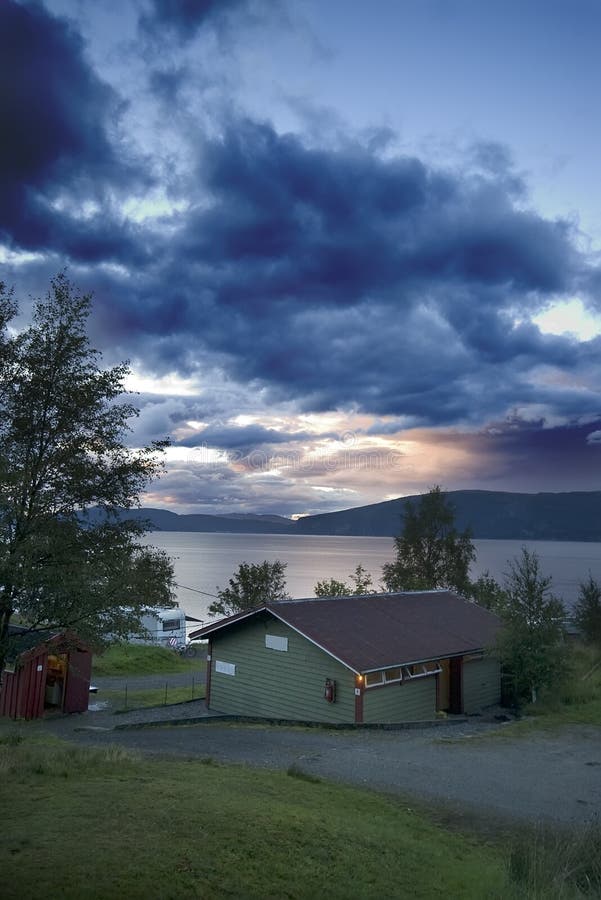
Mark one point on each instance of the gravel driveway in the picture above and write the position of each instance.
(542, 776)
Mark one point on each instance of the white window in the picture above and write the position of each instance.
(275, 642)
(224, 667)
(392, 675)
(385, 676)
(421, 670)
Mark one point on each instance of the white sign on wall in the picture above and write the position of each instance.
(224, 667)
(275, 642)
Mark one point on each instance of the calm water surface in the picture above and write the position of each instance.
(205, 562)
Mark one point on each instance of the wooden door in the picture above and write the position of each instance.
(443, 686)
(456, 685)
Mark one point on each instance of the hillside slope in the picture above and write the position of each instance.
(490, 514)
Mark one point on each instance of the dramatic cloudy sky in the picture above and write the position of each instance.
(351, 249)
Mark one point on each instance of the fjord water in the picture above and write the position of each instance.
(205, 562)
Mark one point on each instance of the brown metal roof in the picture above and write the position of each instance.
(378, 631)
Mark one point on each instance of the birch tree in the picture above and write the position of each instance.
(63, 453)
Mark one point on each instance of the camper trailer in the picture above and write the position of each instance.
(166, 627)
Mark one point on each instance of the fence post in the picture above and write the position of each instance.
(192, 688)
(165, 703)
(126, 695)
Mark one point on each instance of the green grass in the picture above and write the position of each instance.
(152, 697)
(549, 863)
(104, 823)
(577, 701)
(121, 658)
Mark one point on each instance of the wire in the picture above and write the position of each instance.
(196, 591)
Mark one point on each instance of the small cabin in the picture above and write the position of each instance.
(378, 658)
(44, 672)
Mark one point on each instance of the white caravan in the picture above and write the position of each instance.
(166, 627)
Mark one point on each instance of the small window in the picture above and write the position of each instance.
(224, 667)
(421, 670)
(171, 624)
(384, 676)
(275, 642)
(432, 668)
(392, 675)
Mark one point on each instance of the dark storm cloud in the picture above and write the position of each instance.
(342, 278)
(56, 154)
(185, 17)
(336, 224)
(232, 437)
(517, 454)
(167, 83)
(336, 277)
(346, 278)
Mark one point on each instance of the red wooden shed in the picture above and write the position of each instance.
(44, 672)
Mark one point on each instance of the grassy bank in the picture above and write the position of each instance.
(121, 658)
(103, 823)
(122, 701)
(577, 700)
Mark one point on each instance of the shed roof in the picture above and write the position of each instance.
(24, 640)
(376, 631)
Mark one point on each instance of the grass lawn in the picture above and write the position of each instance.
(121, 658)
(82, 822)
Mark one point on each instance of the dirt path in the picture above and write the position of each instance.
(553, 777)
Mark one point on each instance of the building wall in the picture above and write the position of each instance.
(481, 684)
(9, 693)
(410, 701)
(275, 683)
(77, 687)
(23, 690)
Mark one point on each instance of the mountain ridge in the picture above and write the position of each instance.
(501, 515)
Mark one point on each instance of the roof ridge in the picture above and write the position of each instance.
(360, 596)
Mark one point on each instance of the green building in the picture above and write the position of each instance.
(379, 658)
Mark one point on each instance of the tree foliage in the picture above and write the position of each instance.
(63, 425)
(430, 551)
(252, 585)
(361, 583)
(487, 592)
(532, 643)
(587, 611)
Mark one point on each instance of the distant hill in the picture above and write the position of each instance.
(490, 514)
(164, 520)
